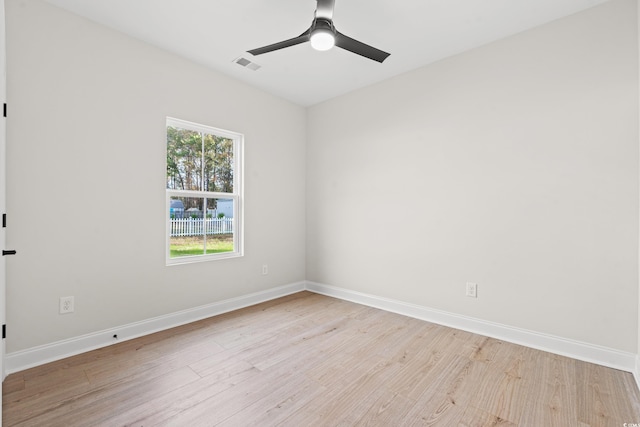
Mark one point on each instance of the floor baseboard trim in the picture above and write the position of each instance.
(21, 360)
(612, 358)
(629, 362)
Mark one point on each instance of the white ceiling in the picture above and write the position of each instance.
(415, 32)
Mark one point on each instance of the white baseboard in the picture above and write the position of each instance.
(553, 344)
(20, 360)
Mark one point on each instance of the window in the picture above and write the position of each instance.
(204, 193)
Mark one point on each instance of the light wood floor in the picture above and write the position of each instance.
(310, 360)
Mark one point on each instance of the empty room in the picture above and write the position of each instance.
(320, 213)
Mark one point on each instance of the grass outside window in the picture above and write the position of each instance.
(190, 246)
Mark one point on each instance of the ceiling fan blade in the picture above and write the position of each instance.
(304, 37)
(325, 9)
(352, 45)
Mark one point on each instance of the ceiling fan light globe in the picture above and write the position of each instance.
(322, 39)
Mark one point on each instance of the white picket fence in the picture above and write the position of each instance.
(198, 226)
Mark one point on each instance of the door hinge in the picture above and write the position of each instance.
(4, 331)
(4, 110)
(4, 220)
(10, 252)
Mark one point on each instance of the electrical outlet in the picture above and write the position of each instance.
(66, 305)
(472, 290)
(265, 269)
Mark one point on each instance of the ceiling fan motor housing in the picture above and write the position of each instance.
(323, 34)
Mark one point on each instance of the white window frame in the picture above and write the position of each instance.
(237, 195)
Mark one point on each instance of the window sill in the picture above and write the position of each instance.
(202, 258)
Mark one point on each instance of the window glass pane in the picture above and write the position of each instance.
(184, 159)
(186, 236)
(220, 225)
(218, 164)
(194, 231)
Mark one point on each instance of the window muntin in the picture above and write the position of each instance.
(204, 195)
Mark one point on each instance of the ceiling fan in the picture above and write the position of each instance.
(323, 36)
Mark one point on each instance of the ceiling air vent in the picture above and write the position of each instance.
(246, 63)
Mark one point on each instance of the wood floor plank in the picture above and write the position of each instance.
(297, 344)
(474, 417)
(339, 371)
(88, 408)
(444, 399)
(598, 403)
(171, 404)
(423, 372)
(387, 410)
(219, 365)
(347, 404)
(552, 394)
(311, 360)
(275, 406)
(416, 343)
(502, 389)
(218, 408)
(420, 374)
(13, 384)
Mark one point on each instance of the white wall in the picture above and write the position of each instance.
(514, 165)
(86, 174)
